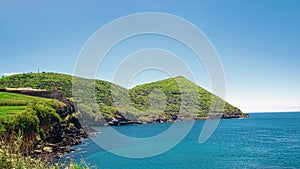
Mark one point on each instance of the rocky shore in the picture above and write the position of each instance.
(121, 119)
(60, 141)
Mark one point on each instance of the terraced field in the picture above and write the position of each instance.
(11, 103)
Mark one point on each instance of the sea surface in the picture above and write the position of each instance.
(265, 140)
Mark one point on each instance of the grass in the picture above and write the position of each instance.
(11, 103)
(10, 110)
(26, 111)
(12, 96)
(13, 99)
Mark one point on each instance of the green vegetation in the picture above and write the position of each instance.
(11, 103)
(182, 98)
(21, 112)
(29, 119)
(10, 110)
(102, 102)
(166, 99)
(10, 99)
(32, 116)
(36, 121)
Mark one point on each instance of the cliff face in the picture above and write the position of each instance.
(61, 135)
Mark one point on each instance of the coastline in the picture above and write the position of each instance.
(241, 138)
(62, 139)
(93, 133)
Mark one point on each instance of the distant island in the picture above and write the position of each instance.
(51, 119)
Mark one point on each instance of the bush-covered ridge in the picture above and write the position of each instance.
(158, 101)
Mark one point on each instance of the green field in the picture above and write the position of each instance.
(25, 112)
(10, 110)
(11, 103)
(4, 96)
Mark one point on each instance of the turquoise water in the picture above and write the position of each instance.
(265, 140)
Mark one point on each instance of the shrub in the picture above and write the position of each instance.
(25, 121)
(45, 111)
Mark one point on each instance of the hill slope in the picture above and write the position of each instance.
(164, 100)
(181, 98)
(92, 96)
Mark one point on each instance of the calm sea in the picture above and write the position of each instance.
(265, 140)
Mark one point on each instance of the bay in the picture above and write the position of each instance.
(265, 140)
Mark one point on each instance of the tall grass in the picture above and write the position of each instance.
(12, 156)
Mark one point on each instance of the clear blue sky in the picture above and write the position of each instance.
(258, 41)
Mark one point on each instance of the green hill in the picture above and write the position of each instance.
(164, 100)
(102, 102)
(181, 98)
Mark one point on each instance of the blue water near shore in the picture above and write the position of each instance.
(265, 140)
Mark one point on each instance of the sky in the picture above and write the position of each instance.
(257, 41)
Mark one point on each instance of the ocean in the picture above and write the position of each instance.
(265, 140)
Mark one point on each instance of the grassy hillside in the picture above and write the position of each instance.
(166, 99)
(182, 98)
(40, 81)
(102, 102)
